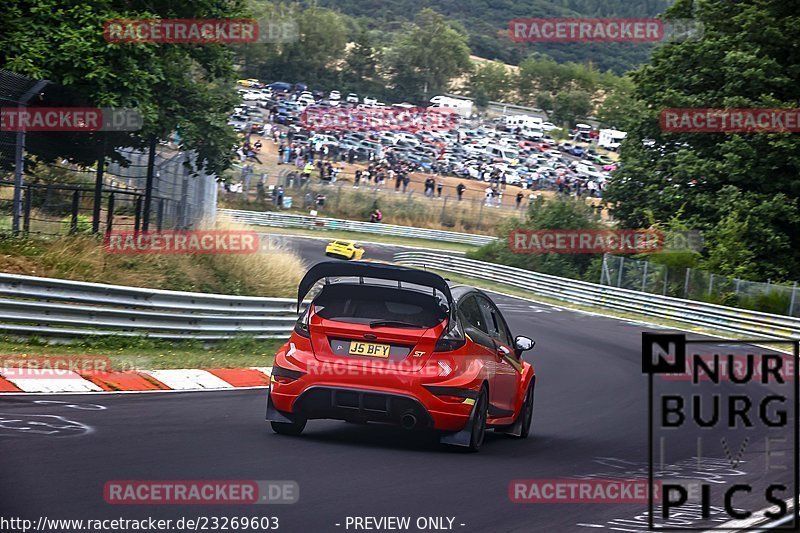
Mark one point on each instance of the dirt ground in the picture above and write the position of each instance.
(475, 189)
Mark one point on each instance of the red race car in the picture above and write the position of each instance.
(382, 343)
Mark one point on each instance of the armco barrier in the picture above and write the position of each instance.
(284, 220)
(706, 315)
(32, 306)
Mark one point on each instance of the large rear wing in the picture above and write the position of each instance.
(363, 269)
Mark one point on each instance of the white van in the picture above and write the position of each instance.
(523, 122)
(508, 155)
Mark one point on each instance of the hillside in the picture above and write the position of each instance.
(486, 23)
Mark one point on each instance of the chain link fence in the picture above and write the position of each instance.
(46, 189)
(699, 285)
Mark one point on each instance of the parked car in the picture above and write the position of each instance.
(352, 98)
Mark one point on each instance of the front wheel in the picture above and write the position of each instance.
(289, 428)
(526, 415)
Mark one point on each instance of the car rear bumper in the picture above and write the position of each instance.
(369, 404)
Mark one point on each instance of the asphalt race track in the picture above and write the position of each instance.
(590, 420)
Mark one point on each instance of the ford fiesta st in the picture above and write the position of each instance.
(382, 343)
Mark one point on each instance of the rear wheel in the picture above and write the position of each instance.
(479, 424)
(289, 428)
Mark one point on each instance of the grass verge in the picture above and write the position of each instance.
(141, 353)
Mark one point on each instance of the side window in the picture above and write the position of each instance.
(497, 327)
(505, 333)
(470, 314)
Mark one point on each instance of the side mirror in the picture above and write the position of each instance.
(523, 344)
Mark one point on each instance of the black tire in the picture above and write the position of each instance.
(478, 433)
(527, 413)
(289, 428)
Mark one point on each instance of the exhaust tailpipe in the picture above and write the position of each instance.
(408, 421)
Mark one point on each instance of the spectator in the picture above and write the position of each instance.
(257, 146)
(439, 187)
(519, 199)
(357, 179)
(260, 191)
(429, 185)
(351, 156)
(307, 170)
(489, 193)
(376, 216)
(320, 200)
(406, 180)
(279, 196)
(460, 190)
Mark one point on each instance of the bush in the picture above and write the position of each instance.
(83, 226)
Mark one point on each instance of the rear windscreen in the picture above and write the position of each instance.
(363, 304)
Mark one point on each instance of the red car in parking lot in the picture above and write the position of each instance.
(382, 343)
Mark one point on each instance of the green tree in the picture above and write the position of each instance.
(491, 79)
(427, 56)
(742, 61)
(186, 85)
(570, 105)
(557, 214)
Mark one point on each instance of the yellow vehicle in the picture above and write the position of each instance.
(248, 82)
(345, 249)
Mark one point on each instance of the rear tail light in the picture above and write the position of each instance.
(452, 338)
(301, 327)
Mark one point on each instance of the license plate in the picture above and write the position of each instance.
(369, 348)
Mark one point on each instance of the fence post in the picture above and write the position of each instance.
(98, 186)
(138, 215)
(791, 303)
(686, 283)
(110, 214)
(737, 286)
(603, 268)
(73, 226)
(710, 283)
(619, 275)
(160, 214)
(644, 276)
(26, 214)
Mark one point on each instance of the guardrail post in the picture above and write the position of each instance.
(621, 266)
(794, 295)
(73, 225)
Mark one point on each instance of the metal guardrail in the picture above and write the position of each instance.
(54, 308)
(711, 316)
(284, 220)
